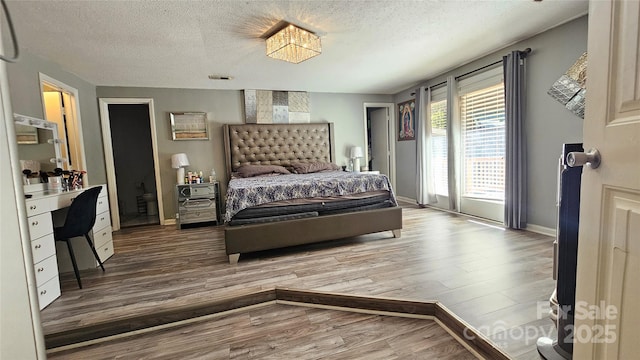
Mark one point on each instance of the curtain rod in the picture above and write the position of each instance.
(432, 86)
(524, 52)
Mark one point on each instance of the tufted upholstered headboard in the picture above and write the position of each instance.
(277, 144)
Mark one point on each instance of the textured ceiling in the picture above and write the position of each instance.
(378, 47)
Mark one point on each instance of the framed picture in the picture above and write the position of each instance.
(406, 120)
(189, 126)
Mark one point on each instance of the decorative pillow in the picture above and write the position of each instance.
(258, 170)
(311, 167)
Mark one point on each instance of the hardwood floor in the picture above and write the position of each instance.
(276, 331)
(492, 278)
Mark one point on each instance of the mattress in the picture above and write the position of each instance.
(326, 192)
(299, 208)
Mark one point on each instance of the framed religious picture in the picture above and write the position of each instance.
(406, 120)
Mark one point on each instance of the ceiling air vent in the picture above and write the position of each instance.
(220, 77)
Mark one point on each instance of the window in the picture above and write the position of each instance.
(468, 144)
(439, 146)
(483, 143)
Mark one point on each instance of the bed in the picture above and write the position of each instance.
(290, 208)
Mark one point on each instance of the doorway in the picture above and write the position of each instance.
(129, 137)
(379, 120)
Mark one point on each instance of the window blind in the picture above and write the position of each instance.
(483, 143)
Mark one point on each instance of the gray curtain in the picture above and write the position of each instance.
(452, 140)
(515, 199)
(425, 183)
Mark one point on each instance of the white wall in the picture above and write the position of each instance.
(548, 123)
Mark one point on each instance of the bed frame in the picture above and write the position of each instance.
(284, 144)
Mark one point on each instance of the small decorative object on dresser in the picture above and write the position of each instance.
(197, 203)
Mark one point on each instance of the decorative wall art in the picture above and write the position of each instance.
(278, 107)
(570, 90)
(406, 120)
(189, 126)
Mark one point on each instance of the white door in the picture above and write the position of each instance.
(609, 241)
(380, 141)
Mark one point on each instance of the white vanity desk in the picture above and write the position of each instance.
(46, 208)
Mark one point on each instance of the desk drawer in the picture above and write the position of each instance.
(46, 269)
(48, 292)
(40, 225)
(105, 250)
(43, 247)
(103, 236)
(65, 199)
(102, 205)
(37, 206)
(102, 221)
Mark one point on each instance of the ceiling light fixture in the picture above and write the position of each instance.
(293, 44)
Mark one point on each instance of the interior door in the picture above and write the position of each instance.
(380, 141)
(609, 240)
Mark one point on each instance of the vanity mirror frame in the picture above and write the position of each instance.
(46, 125)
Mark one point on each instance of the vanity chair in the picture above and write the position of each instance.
(79, 221)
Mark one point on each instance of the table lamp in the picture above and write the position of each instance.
(356, 154)
(179, 161)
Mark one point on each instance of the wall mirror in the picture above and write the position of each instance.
(189, 126)
(40, 144)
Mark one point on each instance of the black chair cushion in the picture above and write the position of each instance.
(81, 215)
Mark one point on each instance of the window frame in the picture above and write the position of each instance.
(486, 208)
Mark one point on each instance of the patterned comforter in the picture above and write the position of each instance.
(244, 193)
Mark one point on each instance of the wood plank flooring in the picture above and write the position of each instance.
(492, 278)
(277, 331)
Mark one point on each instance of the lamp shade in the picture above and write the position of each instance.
(179, 160)
(356, 152)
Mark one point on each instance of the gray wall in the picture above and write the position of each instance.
(548, 123)
(221, 106)
(24, 87)
(346, 111)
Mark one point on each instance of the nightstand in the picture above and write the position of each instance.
(197, 203)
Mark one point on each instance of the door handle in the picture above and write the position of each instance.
(591, 158)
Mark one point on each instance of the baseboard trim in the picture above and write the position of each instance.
(541, 230)
(406, 199)
(169, 222)
(530, 227)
